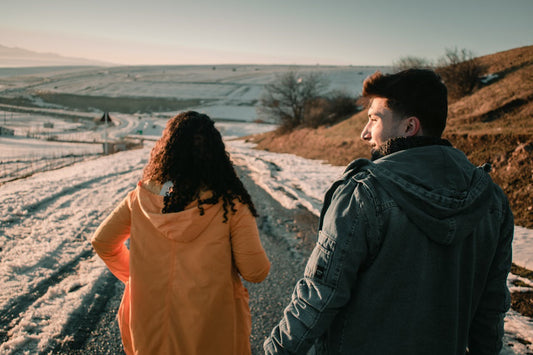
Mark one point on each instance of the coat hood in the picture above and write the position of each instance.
(183, 226)
(441, 192)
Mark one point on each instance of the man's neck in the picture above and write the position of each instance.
(397, 144)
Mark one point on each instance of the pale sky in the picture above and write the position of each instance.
(336, 32)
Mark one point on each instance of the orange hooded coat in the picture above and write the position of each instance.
(183, 291)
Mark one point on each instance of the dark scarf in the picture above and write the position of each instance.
(394, 145)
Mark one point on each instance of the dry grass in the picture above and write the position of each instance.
(522, 272)
(522, 302)
(337, 145)
(505, 105)
(507, 61)
(494, 124)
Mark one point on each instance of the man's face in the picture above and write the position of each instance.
(382, 125)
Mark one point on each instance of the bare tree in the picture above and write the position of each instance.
(410, 62)
(286, 97)
(460, 70)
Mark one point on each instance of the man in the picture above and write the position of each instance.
(414, 247)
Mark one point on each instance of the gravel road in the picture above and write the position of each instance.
(288, 237)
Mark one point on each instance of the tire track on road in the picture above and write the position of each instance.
(45, 202)
(12, 313)
(20, 304)
(80, 325)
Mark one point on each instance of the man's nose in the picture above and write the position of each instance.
(365, 134)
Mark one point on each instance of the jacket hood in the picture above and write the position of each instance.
(183, 226)
(441, 192)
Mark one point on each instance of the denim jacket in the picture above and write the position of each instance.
(412, 257)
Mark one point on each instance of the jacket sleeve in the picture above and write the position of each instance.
(248, 253)
(331, 271)
(486, 330)
(108, 240)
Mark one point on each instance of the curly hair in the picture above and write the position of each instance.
(192, 155)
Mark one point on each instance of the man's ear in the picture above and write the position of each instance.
(412, 127)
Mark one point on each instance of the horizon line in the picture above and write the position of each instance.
(188, 65)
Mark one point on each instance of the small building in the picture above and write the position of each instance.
(4, 131)
(115, 147)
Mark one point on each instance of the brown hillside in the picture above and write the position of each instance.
(494, 124)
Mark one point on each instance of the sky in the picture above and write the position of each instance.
(335, 32)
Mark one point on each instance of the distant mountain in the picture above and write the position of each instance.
(18, 57)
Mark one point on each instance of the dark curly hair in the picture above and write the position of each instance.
(192, 155)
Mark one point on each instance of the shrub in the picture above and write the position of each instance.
(286, 97)
(411, 62)
(460, 71)
(329, 109)
(296, 99)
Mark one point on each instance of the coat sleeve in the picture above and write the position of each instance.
(329, 276)
(486, 330)
(108, 240)
(248, 253)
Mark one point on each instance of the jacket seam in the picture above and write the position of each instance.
(169, 290)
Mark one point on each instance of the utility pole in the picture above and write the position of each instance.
(106, 148)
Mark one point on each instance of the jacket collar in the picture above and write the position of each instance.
(397, 144)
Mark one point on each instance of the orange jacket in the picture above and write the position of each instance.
(183, 292)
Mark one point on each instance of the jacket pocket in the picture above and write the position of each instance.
(319, 265)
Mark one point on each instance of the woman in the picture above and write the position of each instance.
(192, 232)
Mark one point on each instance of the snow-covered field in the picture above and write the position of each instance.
(47, 267)
(225, 92)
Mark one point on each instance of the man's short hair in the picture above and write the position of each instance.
(412, 92)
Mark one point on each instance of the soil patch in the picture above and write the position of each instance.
(522, 302)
